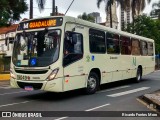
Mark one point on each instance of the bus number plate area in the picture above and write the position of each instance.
(28, 88)
(23, 77)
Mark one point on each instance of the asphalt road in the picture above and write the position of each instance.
(119, 96)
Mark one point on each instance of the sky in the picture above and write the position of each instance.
(77, 8)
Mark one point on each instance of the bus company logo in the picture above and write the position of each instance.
(25, 25)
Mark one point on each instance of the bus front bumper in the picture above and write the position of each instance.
(52, 86)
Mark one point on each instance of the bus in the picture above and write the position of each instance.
(63, 53)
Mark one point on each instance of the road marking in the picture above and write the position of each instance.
(117, 88)
(128, 92)
(97, 107)
(86, 111)
(15, 103)
(61, 118)
(13, 93)
(5, 87)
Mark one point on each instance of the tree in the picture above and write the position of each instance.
(87, 17)
(41, 4)
(138, 6)
(147, 27)
(11, 10)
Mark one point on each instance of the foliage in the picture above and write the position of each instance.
(87, 17)
(41, 4)
(11, 10)
(147, 27)
(137, 6)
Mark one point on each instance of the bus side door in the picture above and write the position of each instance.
(74, 76)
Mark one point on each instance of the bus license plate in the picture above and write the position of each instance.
(28, 88)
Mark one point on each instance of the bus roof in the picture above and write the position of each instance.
(93, 25)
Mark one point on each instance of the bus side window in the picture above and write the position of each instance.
(112, 43)
(125, 45)
(144, 48)
(150, 49)
(97, 41)
(73, 47)
(135, 47)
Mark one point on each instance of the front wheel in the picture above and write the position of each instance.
(92, 83)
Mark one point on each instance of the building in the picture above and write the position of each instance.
(125, 17)
(7, 35)
(97, 17)
(155, 14)
(114, 17)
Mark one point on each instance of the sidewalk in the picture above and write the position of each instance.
(153, 100)
(4, 77)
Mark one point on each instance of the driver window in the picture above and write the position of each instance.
(73, 47)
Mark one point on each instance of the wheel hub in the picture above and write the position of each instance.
(92, 83)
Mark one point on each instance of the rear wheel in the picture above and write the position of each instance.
(92, 83)
(139, 75)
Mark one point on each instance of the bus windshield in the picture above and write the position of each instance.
(36, 48)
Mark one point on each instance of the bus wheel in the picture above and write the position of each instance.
(139, 75)
(92, 83)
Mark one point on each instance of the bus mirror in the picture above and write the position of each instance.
(74, 38)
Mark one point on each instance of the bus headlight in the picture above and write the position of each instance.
(12, 75)
(53, 74)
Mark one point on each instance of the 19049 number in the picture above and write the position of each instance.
(23, 77)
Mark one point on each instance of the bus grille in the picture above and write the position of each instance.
(31, 72)
(36, 86)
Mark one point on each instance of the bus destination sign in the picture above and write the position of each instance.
(40, 23)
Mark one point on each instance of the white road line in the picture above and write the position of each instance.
(61, 118)
(86, 110)
(5, 87)
(15, 103)
(117, 88)
(128, 92)
(12, 93)
(97, 107)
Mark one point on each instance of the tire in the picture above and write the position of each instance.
(138, 75)
(92, 83)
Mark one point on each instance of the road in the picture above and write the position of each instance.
(118, 96)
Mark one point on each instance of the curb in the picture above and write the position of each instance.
(4, 77)
(150, 103)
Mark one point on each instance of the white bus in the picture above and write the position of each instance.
(64, 53)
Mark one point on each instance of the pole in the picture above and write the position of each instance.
(53, 7)
(56, 10)
(31, 9)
